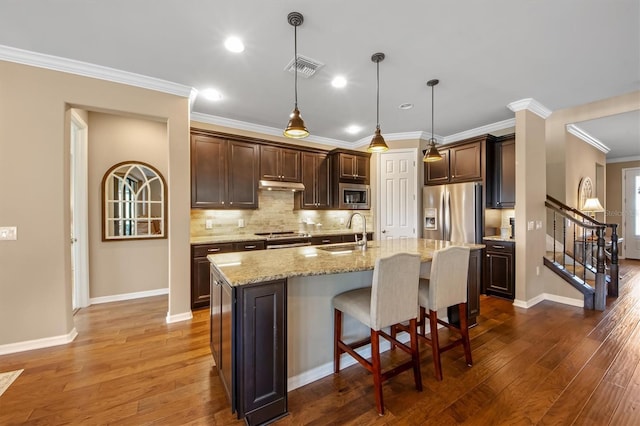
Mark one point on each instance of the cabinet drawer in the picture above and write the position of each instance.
(327, 239)
(500, 246)
(207, 249)
(249, 245)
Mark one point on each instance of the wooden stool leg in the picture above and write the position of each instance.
(415, 353)
(337, 336)
(377, 373)
(435, 343)
(464, 330)
(423, 317)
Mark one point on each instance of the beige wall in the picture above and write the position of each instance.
(119, 267)
(35, 296)
(582, 160)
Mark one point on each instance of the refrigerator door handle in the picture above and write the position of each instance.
(447, 216)
(442, 215)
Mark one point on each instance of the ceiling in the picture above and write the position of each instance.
(486, 55)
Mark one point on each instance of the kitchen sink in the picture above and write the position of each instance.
(341, 248)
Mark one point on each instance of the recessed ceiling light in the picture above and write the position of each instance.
(212, 95)
(234, 44)
(406, 106)
(353, 129)
(339, 82)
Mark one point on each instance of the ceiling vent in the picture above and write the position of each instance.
(307, 67)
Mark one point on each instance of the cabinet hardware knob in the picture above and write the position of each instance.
(384, 231)
(498, 247)
(212, 250)
(223, 202)
(326, 241)
(250, 247)
(231, 203)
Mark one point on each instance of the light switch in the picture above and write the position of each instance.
(538, 224)
(9, 233)
(208, 224)
(530, 225)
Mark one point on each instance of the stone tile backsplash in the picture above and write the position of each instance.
(276, 213)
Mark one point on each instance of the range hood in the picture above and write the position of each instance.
(274, 185)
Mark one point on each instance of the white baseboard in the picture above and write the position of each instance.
(128, 296)
(546, 296)
(45, 342)
(185, 316)
(346, 360)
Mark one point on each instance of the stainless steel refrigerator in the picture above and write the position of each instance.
(453, 212)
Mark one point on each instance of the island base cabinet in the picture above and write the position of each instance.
(249, 345)
(473, 291)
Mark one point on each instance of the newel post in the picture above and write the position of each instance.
(615, 279)
(601, 288)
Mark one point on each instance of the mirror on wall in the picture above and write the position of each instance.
(134, 202)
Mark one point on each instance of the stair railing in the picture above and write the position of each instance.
(590, 240)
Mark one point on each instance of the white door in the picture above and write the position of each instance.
(79, 213)
(398, 204)
(631, 213)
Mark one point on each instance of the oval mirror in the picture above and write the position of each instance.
(134, 202)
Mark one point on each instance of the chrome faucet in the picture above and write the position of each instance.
(363, 241)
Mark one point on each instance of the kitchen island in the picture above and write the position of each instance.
(272, 319)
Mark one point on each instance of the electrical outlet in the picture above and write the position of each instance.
(9, 233)
(240, 223)
(530, 225)
(538, 224)
(208, 224)
(342, 221)
(537, 270)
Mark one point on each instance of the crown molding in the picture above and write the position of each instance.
(482, 130)
(266, 130)
(624, 159)
(581, 134)
(531, 105)
(55, 63)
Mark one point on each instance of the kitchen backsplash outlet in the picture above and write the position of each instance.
(276, 213)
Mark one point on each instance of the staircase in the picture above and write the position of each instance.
(578, 251)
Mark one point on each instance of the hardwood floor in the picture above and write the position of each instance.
(550, 364)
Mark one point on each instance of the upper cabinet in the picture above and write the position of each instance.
(502, 183)
(351, 166)
(463, 161)
(281, 164)
(315, 177)
(224, 173)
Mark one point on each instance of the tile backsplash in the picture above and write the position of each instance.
(494, 219)
(276, 213)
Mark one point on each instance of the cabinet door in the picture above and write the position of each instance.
(208, 183)
(262, 395)
(269, 159)
(473, 291)
(323, 181)
(242, 175)
(506, 182)
(216, 317)
(362, 167)
(200, 285)
(307, 198)
(437, 172)
(347, 166)
(466, 162)
(225, 367)
(290, 165)
(499, 269)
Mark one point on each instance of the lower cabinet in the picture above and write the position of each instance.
(251, 322)
(499, 269)
(200, 267)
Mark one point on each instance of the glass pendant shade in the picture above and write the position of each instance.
(432, 153)
(296, 128)
(377, 143)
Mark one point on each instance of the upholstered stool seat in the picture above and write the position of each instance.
(392, 298)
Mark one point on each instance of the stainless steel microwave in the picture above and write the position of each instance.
(354, 196)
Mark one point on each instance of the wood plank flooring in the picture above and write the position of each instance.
(550, 364)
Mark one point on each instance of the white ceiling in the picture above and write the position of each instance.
(562, 53)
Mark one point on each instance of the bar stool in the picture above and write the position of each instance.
(446, 286)
(392, 298)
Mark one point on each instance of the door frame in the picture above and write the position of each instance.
(623, 219)
(79, 238)
(418, 194)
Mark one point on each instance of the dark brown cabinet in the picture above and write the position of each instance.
(463, 161)
(473, 290)
(250, 322)
(224, 173)
(200, 267)
(499, 268)
(282, 164)
(315, 177)
(339, 238)
(351, 166)
(503, 181)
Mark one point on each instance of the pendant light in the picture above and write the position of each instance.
(377, 143)
(432, 153)
(296, 128)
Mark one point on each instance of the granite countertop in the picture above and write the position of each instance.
(499, 238)
(232, 238)
(248, 267)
